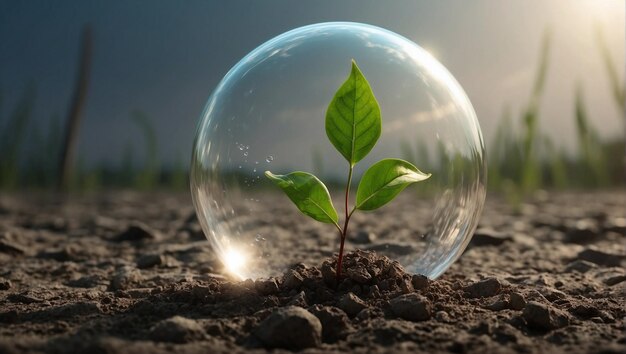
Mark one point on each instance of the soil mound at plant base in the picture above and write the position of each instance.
(364, 273)
(76, 286)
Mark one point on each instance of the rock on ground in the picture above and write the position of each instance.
(544, 317)
(411, 307)
(351, 304)
(484, 288)
(177, 329)
(290, 328)
(335, 323)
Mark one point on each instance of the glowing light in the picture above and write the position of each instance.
(430, 50)
(235, 261)
(600, 10)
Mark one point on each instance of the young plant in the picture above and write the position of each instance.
(353, 125)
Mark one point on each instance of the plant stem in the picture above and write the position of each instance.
(345, 225)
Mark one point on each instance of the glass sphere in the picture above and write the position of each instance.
(268, 113)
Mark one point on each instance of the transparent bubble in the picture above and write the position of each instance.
(271, 108)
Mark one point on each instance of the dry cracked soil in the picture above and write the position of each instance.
(133, 273)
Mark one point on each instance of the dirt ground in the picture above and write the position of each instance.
(133, 273)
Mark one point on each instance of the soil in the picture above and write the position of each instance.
(126, 273)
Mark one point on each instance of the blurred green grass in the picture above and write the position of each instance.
(520, 164)
(521, 159)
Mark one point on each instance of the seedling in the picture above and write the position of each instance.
(353, 125)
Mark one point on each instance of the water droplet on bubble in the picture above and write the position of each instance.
(269, 159)
(245, 153)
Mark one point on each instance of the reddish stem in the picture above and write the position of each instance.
(340, 259)
(344, 232)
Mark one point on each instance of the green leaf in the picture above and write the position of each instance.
(353, 123)
(384, 180)
(308, 193)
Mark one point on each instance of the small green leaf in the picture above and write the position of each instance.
(353, 123)
(384, 180)
(308, 193)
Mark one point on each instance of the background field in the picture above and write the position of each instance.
(546, 80)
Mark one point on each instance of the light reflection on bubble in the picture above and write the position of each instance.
(235, 262)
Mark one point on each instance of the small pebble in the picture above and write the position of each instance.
(420, 281)
(335, 323)
(585, 311)
(484, 288)
(374, 292)
(544, 317)
(88, 281)
(291, 328)
(580, 266)
(602, 258)
(359, 274)
(298, 300)
(125, 278)
(266, 286)
(614, 280)
(498, 305)
(177, 329)
(292, 280)
(583, 231)
(351, 304)
(517, 301)
(406, 286)
(411, 307)
(149, 261)
(363, 237)
(136, 232)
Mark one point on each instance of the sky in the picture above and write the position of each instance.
(164, 58)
